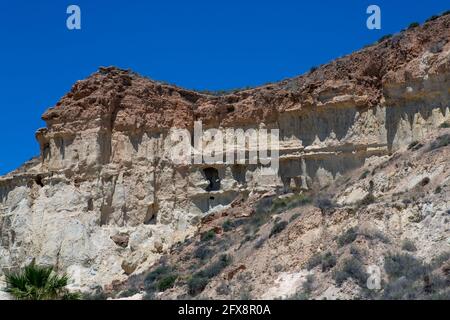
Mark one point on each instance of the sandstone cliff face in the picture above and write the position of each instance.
(325, 245)
(104, 200)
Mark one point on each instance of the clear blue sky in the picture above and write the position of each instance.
(194, 44)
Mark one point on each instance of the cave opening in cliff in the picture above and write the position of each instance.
(45, 150)
(239, 171)
(151, 215)
(38, 180)
(90, 205)
(212, 175)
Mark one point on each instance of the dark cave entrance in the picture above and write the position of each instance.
(212, 175)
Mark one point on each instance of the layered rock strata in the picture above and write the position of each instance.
(104, 198)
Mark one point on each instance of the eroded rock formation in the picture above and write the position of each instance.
(104, 200)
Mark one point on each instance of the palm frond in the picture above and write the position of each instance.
(38, 283)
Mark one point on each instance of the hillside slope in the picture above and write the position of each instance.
(392, 213)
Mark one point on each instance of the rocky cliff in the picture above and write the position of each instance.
(105, 201)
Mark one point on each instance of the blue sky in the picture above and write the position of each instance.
(195, 44)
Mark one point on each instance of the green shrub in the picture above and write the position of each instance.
(404, 265)
(200, 280)
(425, 181)
(413, 145)
(96, 294)
(368, 199)
(299, 295)
(374, 234)
(410, 278)
(324, 204)
(352, 268)
(157, 273)
(245, 295)
(166, 282)
(314, 261)
(413, 25)
(429, 286)
(354, 251)
(439, 260)
(223, 289)
(445, 13)
(445, 125)
(277, 228)
(364, 174)
(260, 243)
(38, 283)
(267, 206)
(399, 289)
(441, 141)
(416, 217)
(408, 245)
(294, 217)
(305, 291)
(149, 296)
(248, 238)
(224, 243)
(261, 216)
(326, 260)
(308, 285)
(196, 285)
(128, 293)
(278, 268)
(347, 237)
(433, 283)
(434, 17)
(286, 203)
(203, 252)
(312, 69)
(227, 225)
(71, 296)
(208, 235)
(215, 268)
(444, 296)
(256, 221)
(385, 37)
(160, 279)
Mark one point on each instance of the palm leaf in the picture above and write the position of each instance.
(38, 283)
